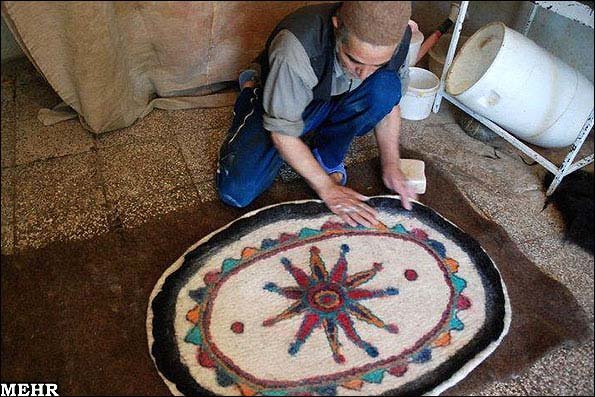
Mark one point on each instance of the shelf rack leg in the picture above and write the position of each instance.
(530, 19)
(450, 54)
(565, 168)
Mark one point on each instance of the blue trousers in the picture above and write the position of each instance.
(248, 160)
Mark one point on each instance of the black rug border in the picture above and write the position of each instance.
(164, 348)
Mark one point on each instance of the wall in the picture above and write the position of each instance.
(429, 14)
(570, 41)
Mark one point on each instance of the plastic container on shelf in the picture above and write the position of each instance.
(509, 79)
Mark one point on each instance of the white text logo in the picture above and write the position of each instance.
(29, 389)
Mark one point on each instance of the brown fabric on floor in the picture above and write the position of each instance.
(544, 312)
(74, 313)
(108, 60)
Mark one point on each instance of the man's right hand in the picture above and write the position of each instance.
(349, 205)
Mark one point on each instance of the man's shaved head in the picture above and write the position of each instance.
(380, 23)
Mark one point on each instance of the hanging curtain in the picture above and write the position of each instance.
(112, 62)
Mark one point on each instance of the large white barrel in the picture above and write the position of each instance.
(506, 77)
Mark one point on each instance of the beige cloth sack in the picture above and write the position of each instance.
(113, 62)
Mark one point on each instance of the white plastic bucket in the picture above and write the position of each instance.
(417, 102)
(507, 78)
(417, 38)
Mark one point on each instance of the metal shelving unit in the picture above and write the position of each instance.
(570, 9)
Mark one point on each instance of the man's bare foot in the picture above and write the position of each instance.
(337, 176)
(248, 84)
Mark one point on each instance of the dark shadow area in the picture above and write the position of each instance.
(575, 199)
(74, 313)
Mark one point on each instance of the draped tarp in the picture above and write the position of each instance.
(112, 62)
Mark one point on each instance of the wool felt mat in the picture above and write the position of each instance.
(96, 292)
(288, 300)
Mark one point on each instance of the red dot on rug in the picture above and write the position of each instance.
(211, 277)
(410, 275)
(237, 327)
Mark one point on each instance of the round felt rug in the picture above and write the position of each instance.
(288, 300)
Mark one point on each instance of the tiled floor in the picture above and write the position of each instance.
(61, 183)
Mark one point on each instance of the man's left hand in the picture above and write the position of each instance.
(393, 178)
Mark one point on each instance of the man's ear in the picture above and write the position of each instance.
(336, 22)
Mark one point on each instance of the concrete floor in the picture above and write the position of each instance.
(64, 188)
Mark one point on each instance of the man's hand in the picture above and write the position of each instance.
(393, 178)
(342, 201)
(348, 204)
(387, 136)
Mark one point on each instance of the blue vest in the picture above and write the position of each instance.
(313, 27)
